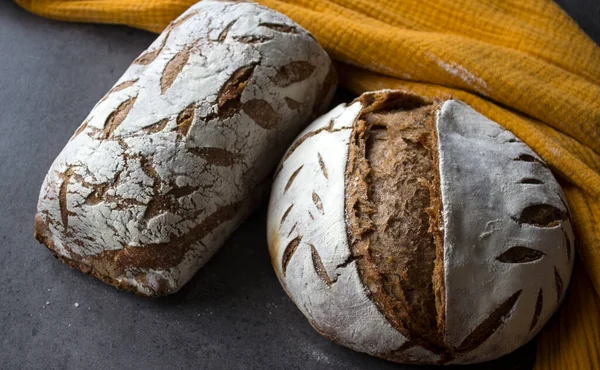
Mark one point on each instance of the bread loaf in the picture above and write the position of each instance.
(419, 231)
(166, 164)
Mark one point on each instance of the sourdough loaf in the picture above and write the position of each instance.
(174, 157)
(419, 231)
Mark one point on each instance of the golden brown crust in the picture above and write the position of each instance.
(393, 209)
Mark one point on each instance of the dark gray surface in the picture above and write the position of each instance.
(233, 315)
(586, 13)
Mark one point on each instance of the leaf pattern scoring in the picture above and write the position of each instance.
(520, 254)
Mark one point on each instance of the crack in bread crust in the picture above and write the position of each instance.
(393, 210)
(182, 146)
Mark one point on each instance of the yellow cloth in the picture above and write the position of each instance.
(524, 64)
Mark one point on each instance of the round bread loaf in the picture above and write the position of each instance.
(174, 157)
(419, 231)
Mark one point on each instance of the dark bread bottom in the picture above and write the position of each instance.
(393, 208)
(110, 264)
(42, 234)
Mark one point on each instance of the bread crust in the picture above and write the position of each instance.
(393, 210)
(492, 247)
(506, 232)
(161, 171)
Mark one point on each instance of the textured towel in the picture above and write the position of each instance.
(524, 64)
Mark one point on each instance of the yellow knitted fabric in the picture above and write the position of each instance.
(524, 64)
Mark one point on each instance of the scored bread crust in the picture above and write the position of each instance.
(393, 211)
(345, 289)
(307, 240)
(171, 160)
(508, 252)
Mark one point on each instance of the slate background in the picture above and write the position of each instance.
(232, 315)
